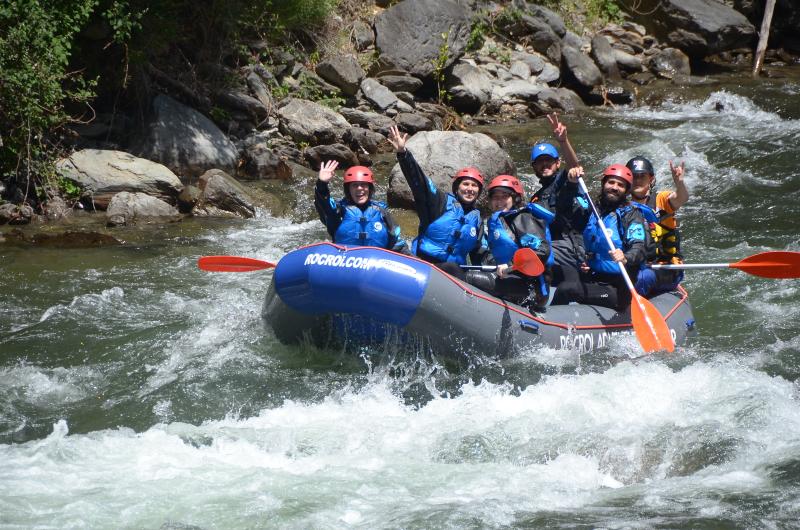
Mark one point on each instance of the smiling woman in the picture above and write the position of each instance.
(356, 219)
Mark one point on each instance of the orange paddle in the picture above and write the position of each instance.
(649, 326)
(773, 264)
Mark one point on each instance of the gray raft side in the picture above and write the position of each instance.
(455, 318)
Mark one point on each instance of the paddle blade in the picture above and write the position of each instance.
(232, 264)
(527, 262)
(650, 327)
(774, 264)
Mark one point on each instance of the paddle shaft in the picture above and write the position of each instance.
(677, 267)
(610, 243)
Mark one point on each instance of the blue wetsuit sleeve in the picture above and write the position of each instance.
(326, 208)
(429, 201)
(396, 241)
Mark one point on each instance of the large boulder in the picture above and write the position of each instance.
(441, 154)
(222, 196)
(409, 34)
(696, 27)
(101, 174)
(310, 122)
(129, 208)
(185, 141)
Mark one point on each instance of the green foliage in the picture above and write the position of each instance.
(439, 66)
(477, 34)
(68, 188)
(52, 71)
(37, 84)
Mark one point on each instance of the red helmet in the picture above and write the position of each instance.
(506, 181)
(619, 171)
(358, 174)
(467, 173)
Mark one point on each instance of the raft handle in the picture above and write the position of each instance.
(529, 325)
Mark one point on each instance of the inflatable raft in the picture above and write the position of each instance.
(335, 296)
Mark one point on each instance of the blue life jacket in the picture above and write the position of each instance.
(596, 244)
(502, 243)
(363, 228)
(452, 236)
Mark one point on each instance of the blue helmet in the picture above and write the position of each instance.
(541, 149)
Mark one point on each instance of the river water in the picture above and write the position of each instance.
(139, 392)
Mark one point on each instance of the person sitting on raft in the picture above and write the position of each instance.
(659, 209)
(357, 219)
(512, 226)
(604, 284)
(450, 227)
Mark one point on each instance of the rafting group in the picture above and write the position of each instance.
(585, 245)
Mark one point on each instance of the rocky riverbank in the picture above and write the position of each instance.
(436, 68)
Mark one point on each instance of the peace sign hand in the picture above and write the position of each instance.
(326, 170)
(559, 129)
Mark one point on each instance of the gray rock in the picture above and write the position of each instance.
(520, 70)
(442, 153)
(363, 36)
(306, 121)
(339, 152)
(516, 91)
(238, 101)
(223, 196)
(369, 120)
(261, 162)
(343, 71)
(408, 35)
(412, 122)
(628, 62)
(560, 98)
(469, 87)
(579, 65)
(603, 56)
(259, 88)
(400, 83)
(669, 63)
(101, 174)
(550, 74)
(364, 140)
(129, 208)
(549, 17)
(185, 141)
(538, 32)
(697, 27)
(535, 62)
(381, 97)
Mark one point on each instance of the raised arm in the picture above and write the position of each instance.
(560, 132)
(325, 206)
(680, 196)
(429, 202)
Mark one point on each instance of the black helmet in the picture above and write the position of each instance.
(640, 164)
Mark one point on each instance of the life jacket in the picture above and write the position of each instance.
(363, 228)
(502, 241)
(595, 241)
(666, 240)
(452, 236)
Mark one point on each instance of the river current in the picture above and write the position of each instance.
(137, 391)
